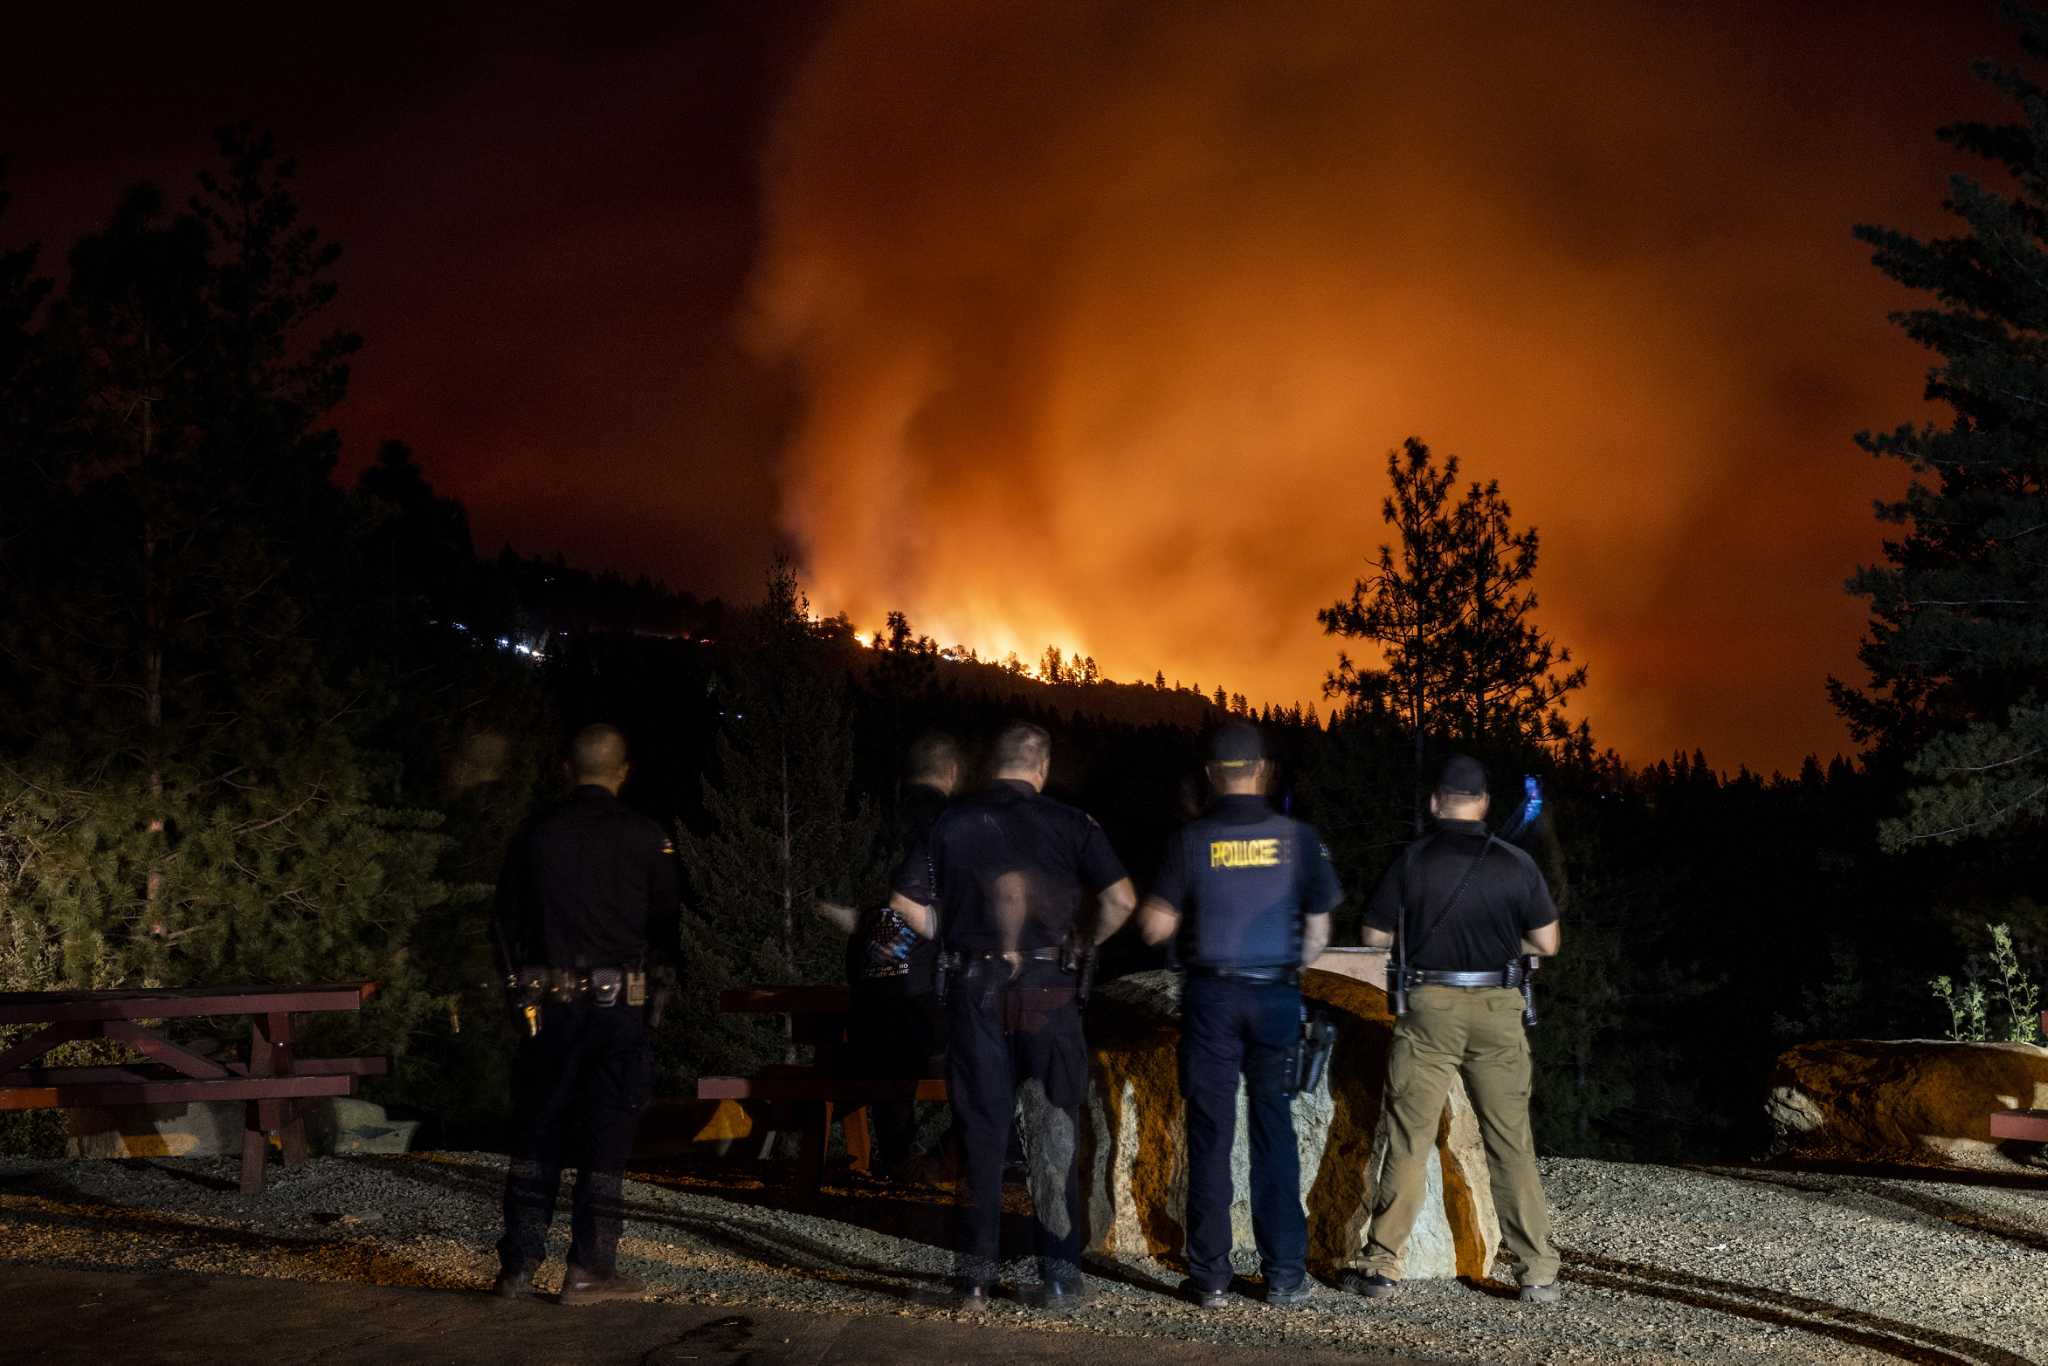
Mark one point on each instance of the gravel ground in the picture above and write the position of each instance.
(1662, 1264)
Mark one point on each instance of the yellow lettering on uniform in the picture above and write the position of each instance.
(1244, 853)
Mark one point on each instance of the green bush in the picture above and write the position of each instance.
(2010, 989)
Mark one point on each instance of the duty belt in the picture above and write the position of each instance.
(1511, 977)
(990, 955)
(1254, 975)
(955, 963)
(1020, 1003)
(565, 986)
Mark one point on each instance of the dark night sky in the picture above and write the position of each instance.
(547, 226)
(875, 278)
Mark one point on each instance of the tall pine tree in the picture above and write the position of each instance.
(188, 786)
(783, 824)
(1448, 609)
(1957, 646)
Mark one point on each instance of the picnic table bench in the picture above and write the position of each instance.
(819, 1094)
(272, 1084)
(2026, 1126)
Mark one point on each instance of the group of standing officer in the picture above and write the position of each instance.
(1003, 896)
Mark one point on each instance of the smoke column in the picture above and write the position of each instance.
(1105, 316)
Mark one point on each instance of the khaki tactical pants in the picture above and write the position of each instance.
(1477, 1032)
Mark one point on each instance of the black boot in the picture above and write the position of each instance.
(1370, 1284)
(1287, 1297)
(513, 1282)
(1054, 1297)
(583, 1287)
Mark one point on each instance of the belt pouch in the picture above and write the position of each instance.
(529, 986)
(606, 986)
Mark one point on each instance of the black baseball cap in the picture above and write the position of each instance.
(1236, 744)
(1463, 776)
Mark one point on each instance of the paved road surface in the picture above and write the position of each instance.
(100, 1318)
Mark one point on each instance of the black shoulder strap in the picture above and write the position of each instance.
(1437, 922)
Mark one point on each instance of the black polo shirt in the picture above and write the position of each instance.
(1505, 899)
(1009, 867)
(1242, 877)
(590, 883)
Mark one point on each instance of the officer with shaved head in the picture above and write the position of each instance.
(587, 903)
(1017, 888)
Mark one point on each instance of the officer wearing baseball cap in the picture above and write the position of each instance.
(1249, 892)
(1466, 914)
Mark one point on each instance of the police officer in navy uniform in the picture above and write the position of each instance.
(1249, 893)
(1016, 886)
(588, 898)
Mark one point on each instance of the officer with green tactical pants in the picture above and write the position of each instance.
(1470, 907)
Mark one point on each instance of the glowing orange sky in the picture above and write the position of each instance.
(1105, 318)
(1091, 323)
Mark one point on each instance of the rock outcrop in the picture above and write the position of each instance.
(1134, 1160)
(1914, 1101)
(334, 1124)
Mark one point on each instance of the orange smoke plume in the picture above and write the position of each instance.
(1105, 316)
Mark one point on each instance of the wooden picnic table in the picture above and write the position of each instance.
(817, 1014)
(821, 1096)
(273, 1084)
(2025, 1126)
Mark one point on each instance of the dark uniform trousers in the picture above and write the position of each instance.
(1232, 1028)
(581, 1081)
(1009, 1045)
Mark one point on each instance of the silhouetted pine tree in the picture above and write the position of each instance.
(1448, 608)
(1957, 647)
(783, 825)
(185, 784)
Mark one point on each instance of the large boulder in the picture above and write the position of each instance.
(193, 1129)
(334, 1124)
(346, 1124)
(1134, 1140)
(1912, 1101)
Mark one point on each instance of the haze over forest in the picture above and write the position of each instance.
(1102, 343)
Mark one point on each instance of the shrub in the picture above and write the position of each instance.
(2016, 995)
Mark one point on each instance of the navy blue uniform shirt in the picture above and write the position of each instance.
(1242, 877)
(590, 883)
(1008, 867)
(1505, 899)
